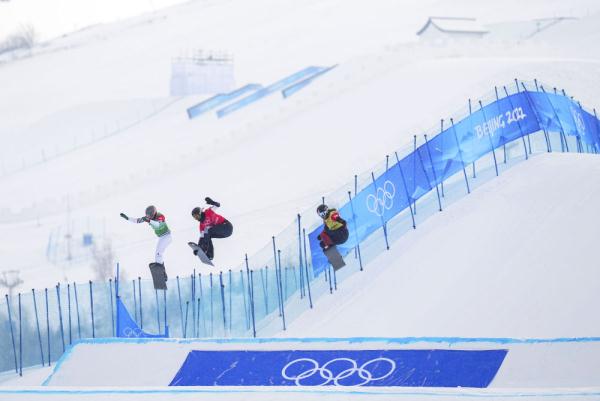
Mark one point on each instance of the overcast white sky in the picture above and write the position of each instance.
(52, 18)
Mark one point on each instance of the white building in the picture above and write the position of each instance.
(443, 29)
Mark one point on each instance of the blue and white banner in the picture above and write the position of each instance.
(487, 128)
(369, 368)
(127, 327)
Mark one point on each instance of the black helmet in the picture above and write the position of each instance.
(198, 212)
(151, 212)
(322, 210)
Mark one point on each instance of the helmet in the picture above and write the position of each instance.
(322, 210)
(151, 212)
(198, 212)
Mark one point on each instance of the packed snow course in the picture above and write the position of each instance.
(494, 287)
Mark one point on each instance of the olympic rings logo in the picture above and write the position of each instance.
(327, 376)
(132, 333)
(384, 200)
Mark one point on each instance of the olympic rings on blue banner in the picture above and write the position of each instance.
(384, 200)
(365, 376)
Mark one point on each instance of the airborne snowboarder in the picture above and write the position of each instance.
(335, 230)
(157, 221)
(212, 225)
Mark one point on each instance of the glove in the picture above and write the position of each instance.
(195, 252)
(212, 202)
(123, 215)
(146, 219)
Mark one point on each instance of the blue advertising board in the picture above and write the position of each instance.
(387, 368)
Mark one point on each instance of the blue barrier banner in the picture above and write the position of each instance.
(369, 368)
(219, 99)
(127, 327)
(281, 84)
(484, 130)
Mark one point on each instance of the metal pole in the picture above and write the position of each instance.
(223, 303)
(62, 333)
(563, 136)
(140, 297)
(546, 136)
(12, 334)
(300, 263)
(281, 292)
(433, 171)
(264, 288)
(193, 297)
(490, 138)
(69, 311)
(383, 225)
(279, 295)
(251, 296)
(284, 289)
(112, 314)
(187, 304)
(408, 199)
(528, 139)
(180, 304)
(77, 310)
(48, 325)
(354, 218)
(37, 324)
(200, 299)
(134, 301)
(165, 311)
(252, 301)
(212, 320)
(157, 310)
(92, 310)
(230, 304)
(470, 113)
(246, 311)
(415, 170)
(461, 156)
(306, 269)
(442, 180)
(522, 137)
(498, 108)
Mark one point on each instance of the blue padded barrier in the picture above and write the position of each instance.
(285, 82)
(219, 99)
(290, 90)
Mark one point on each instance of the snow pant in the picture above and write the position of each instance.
(163, 242)
(333, 237)
(222, 230)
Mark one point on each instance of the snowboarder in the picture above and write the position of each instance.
(157, 221)
(212, 225)
(335, 230)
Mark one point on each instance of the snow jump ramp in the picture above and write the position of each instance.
(325, 362)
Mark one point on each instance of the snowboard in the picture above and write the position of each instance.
(201, 255)
(334, 257)
(159, 276)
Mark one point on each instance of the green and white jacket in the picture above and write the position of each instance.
(158, 224)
